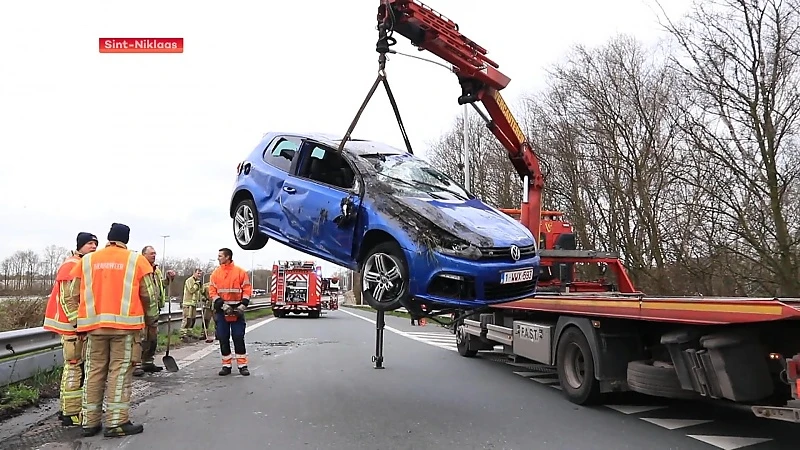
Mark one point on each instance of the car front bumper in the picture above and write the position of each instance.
(448, 282)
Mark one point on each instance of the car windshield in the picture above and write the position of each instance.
(415, 174)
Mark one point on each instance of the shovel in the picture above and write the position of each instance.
(203, 320)
(168, 361)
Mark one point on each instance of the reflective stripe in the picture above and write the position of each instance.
(60, 326)
(232, 291)
(127, 287)
(88, 299)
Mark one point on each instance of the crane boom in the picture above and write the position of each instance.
(480, 81)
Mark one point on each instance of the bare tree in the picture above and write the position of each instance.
(741, 69)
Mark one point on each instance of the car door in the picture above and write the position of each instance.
(321, 202)
(280, 156)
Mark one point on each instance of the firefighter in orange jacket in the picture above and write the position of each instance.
(112, 290)
(58, 318)
(230, 290)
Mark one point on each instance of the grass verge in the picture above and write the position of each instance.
(19, 313)
(16, 397)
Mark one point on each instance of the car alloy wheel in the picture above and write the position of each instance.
(244, 224)
(383, 278)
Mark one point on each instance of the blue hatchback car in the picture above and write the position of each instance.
(413, 234)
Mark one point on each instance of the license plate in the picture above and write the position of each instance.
(517, 276)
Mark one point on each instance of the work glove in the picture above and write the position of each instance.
(226, 308)
(240, 309)
(217, 303)
(246, 301)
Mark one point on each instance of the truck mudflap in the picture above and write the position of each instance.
(791, 411)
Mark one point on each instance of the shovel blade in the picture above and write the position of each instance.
(169, 363)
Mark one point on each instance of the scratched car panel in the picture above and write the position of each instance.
(415, 235)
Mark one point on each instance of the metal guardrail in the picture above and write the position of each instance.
(25, 352)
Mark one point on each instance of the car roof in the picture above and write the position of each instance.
(354, 145)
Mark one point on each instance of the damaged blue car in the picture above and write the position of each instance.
(415, 236)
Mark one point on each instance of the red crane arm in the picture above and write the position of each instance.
(480, 81)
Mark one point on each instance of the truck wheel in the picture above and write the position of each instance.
(245, 226)
(462, 342)
(575, 365)
(384, 277)
(658, 380)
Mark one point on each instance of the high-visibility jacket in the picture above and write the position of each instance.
(159, 280)
(230, 283)
(191, 292)
(110, 282)
(56, 316)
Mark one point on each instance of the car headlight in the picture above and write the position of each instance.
(460, 250)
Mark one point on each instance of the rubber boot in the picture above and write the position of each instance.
(225, 371)
(91, 431)
(151, 367)
(125, 429)
(244, 371)
(71, 421)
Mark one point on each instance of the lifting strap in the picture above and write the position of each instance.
(382, 47)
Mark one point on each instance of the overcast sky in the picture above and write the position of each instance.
(152, 140)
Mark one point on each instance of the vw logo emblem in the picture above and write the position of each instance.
(515, 254)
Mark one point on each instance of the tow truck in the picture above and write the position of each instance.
(296, 288)
(599, 335)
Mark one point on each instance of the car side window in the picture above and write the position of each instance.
(283, 153)
(327, 166)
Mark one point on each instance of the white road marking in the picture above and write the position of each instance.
(402, 333)
(674, 424)
(634, 409)
(202, 353)
(728, 442)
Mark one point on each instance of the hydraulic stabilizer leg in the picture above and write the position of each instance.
(380, 323)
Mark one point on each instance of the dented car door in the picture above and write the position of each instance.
(321, 203)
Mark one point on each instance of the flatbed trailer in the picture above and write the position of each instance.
(601, 335)
(744, 350)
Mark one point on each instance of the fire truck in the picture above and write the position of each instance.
(601, 335)
(296, 288)
(330, 288)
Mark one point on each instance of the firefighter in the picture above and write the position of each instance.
(111, 291)
(149, 340)
(230, 290)
(57, 318)
(191, 296)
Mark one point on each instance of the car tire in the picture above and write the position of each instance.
(245, 226)
(384, 263)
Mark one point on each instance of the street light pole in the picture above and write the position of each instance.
(164, 252)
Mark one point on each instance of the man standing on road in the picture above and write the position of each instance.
(111, 291)
(191, 296)
(58, 318)
(149, 340)
(230, 290)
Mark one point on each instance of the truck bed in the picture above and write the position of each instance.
(690, 310)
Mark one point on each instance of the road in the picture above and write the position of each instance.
(313, 387)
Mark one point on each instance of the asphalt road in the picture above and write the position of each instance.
(313, 387)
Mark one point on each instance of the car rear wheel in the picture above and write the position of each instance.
(384, 277)
(245, 226)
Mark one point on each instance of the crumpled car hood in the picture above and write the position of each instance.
(471, 220)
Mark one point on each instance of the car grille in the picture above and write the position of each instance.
(497, 291)
(504, 253)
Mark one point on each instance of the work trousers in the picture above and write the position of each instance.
(148, 344)
(109, 372)
(189, 316)
(226, 331)
(71, 388)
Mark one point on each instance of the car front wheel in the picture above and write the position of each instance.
(245, 226)
(384, 277)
